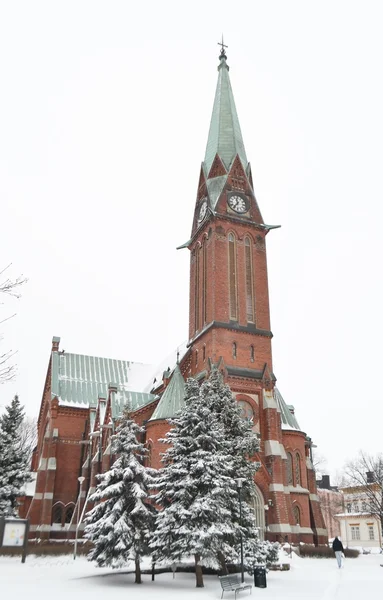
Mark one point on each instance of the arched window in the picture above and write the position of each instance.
(233, 309)
(297, 515)
(249, 280)
(57, 513)
(196, 289)
(196, 357)
(149, 455)
(259, 512)
(234, 350)
(252, 353)
(289, 469)
(204, 282)
(297, 469)
(204, 352)
(69, 510)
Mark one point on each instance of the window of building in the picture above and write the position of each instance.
(364, 507)
(252, 353)
(249, 281)
(196, 290)
(371, 534)
(349, 507)
(259, 512)
(234, 350)
(204, 353)
(297, 515)
(196, 357)
(57, 513)
(297, 469)
(246, 410)
(233, 308)
(355, 532)
(356, 507)
(204, 282)
(69, 510)
(289, 469)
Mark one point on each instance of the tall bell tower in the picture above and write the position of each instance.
(229, 323)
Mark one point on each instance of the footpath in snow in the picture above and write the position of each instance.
(61, 578)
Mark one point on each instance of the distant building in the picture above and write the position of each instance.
(331, 502)
(358, 527)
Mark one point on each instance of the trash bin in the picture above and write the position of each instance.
(260, 576)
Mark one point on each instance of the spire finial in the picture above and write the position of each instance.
(178, 357)
(223, 46)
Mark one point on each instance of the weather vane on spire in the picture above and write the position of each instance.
(223, 46)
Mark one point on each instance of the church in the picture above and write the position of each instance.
(229, 326)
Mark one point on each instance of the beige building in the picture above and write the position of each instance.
(358, 527)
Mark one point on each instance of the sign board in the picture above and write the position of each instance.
(14, 534)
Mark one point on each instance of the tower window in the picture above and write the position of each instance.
(289, 469)
(196, 290)
(297, 515)
(234, 350)
(204, 353)
(233, 308)
(196, 357)
(252, 353)
(204, 281)
(297, 469)
(249, 281)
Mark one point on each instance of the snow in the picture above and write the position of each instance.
(62, 578)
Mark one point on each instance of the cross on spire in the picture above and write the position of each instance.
(223, 46)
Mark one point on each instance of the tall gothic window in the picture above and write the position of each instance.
(289, 469)
(57, 513)
(204, 281)
(252, 353)
(196, 289)
(69, 512)
(234, 350)
(297, 469)
(233, 308)
(249, 281)
(297, 515)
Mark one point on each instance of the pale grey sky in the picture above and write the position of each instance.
(104, 115)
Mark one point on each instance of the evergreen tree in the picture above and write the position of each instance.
(14, 467)
(120, 524)
(193, 487)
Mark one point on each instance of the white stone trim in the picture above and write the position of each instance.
(55, 432)
(309, 464)
(83, 494)
(42, 464)
(38, 496)
(44, 528)
(48, 496)
(92, 490)
(283, 451)
(276, 487)
(314, 497)
(299, 529)
(280, 528)
(52, 464)
(321, 531)
(272, 448)
(269, 400)
(297, 489)
(33, 527)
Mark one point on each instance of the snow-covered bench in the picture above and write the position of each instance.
(231, 583)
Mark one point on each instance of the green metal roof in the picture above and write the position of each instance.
(288, 419)
(173, 398)
(80, 380)
(225, 137)
(135, 400)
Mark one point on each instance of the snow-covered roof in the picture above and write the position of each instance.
(166, 364)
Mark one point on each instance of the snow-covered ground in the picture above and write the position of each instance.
(62, 578)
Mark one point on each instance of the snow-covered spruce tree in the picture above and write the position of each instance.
(120, 524)
(14, 467)
(194, 489)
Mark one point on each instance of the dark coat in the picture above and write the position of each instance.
(337, 545)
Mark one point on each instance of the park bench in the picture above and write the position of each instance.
(231, 583)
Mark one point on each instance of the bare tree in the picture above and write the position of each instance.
(28, 437)
(8, 287)
(366, 474)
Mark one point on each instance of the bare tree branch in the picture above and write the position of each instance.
(9, 287)
(366, 474)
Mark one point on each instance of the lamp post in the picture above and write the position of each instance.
(81, 481)
(239, 482)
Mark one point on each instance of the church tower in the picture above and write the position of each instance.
(229, 322)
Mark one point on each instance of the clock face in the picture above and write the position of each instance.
(202, 211)
(238, 204)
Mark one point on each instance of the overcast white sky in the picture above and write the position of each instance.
(104, 116)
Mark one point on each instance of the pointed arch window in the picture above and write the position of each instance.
(233, 303)
(249, 282)
(252, 353)
(196, 290)
(196, 357)
(69, 510)
(204, 282)
(57, 513)
(297, 469)
(297, 515)
(289, 469)
(204, 352)
(234, 350)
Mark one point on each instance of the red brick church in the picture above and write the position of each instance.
(229, 326)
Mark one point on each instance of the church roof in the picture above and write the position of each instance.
(225, 137)
(79, 380)
(173, 398)
(288, 418)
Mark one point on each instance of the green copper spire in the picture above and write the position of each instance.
(173, 398)
(225, 137)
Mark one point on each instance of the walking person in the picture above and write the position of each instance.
(337, 546)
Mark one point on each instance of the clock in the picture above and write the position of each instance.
(202, 211)
(238, 204)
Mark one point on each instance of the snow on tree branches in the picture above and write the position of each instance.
(122, 520)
